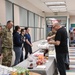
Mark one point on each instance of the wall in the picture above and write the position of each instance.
(72, 19)
(2, 12)
(16, 15)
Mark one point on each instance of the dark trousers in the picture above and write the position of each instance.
(61, 63)
(67, 59)
(21, 59)
(28, 49)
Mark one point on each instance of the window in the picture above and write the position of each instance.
(9, 11)
(32, 34)
(37, 34)
(23, 17)
(16, 15)
(31, 19)
(42, 33)
(36, 20)
(39, 25)
(39, 28)
(42, 22)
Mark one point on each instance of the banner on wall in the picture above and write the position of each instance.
(72, 28)
(72, 25)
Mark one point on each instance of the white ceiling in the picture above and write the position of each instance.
(70, 4)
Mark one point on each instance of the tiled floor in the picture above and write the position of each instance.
(72, 61)
(70, 73)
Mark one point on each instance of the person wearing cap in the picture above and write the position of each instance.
(61, 47)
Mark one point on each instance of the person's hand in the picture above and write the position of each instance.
(48, 38)
(24, 40)
(51, 42)
(31, 45)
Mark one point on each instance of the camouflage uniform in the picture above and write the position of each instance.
(6, 46)
(51, 33)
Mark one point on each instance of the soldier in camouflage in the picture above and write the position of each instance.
(51, 34)
(7, 44)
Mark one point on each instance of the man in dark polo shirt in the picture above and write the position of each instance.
(61, 47)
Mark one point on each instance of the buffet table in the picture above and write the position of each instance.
(48, 68)
(32, 73)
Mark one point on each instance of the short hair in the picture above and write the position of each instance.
(26, 28)
(22, 30)
(17, 27)
(9, 21)
(55, 24)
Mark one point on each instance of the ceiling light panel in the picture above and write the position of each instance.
(59, 10)
(55, 3)
(57, 6)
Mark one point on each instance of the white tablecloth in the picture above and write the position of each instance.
(50, 66)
